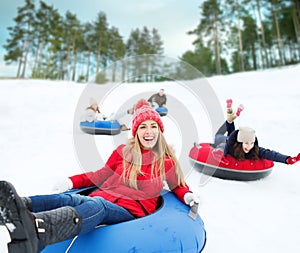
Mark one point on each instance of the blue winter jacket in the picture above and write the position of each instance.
(262, 152)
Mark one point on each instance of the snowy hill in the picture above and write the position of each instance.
(37, 147)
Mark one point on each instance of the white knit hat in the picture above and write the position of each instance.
(246, 134)
(93, 101)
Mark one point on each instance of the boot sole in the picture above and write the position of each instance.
(18, 221)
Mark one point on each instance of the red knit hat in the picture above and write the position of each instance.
(143, 111)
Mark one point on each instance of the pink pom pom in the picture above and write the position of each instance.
(141, 103)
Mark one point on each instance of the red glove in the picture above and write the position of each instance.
(292, 160)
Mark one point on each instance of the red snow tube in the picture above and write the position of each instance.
(247, 170)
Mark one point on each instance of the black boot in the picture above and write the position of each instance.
(18, 221)
(27, 202)
(57, 225)
(30, 233)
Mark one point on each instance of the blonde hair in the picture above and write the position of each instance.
(132, 161)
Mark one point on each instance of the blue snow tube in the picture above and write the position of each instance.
(112, 127)
(168, 230)
(162, 111)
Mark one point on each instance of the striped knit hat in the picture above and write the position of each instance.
(143, 111)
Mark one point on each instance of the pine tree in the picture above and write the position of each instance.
(210, 27)
(235, 12)
(72, 28)
(14, 48)
(88, 44)
(21, 39)
(200, 58)
(250, 42)
(42, 26)
(101, 37)
(116, 50)
(295, 6)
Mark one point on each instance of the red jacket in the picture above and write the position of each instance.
(112, 187)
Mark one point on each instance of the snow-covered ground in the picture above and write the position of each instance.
(39, 145)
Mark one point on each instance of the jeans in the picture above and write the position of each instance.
(93, 210)
(220, 137)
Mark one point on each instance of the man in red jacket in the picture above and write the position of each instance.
(129, 186)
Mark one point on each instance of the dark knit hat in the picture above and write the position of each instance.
(143, 111)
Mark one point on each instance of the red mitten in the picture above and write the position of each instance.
(217, 154)
(292, 160)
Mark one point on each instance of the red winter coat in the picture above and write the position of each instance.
(112, 187)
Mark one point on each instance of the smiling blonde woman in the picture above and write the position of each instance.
(129, 186)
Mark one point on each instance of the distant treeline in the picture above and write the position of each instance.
(52, 46)
(240, 35)
(232, 36)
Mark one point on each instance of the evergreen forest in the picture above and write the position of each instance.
(231, 36)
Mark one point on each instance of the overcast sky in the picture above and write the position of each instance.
(172, 18)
